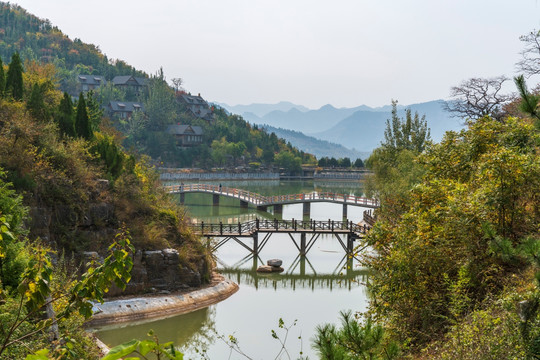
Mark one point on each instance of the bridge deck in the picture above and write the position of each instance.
(261, 200)
(249, 228)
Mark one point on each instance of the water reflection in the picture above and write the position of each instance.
(300, 274)
(188, 332)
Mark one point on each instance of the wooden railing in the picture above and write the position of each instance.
(261, 200)
(250, 227)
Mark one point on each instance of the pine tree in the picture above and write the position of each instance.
(82, 121)
(36, 104)
(2, 79)
(65, 119)
(14, 80)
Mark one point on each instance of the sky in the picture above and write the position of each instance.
(310, 52)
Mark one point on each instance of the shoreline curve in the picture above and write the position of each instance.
(156, 307)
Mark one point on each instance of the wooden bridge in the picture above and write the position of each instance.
(251, 229)
(277, 201)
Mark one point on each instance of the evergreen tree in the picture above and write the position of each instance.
(358, 163)
(36, 104)
(64, 116)
(14, 80)
(82, 121)
(2, 79)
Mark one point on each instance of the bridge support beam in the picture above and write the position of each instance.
(344, 211)
(306, 209)
(303, 244)
(278, 209)
(215, 199)
(262, 208)
(243, 204)
(182, 198)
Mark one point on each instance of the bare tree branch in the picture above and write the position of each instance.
(530, 62)
(478, 97)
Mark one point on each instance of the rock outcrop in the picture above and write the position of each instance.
(158, 271)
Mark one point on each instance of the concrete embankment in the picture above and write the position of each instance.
(161, 306)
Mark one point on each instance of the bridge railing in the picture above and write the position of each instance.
(249, 227)
(259, 199)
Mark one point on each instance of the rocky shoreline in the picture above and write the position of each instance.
(138, 308)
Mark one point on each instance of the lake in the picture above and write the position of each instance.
(310, 292)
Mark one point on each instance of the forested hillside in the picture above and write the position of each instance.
(37, 39)
(227, 141)
(69, 193)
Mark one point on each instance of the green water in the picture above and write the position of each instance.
(311, 291)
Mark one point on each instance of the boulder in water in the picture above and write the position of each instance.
(274, 262)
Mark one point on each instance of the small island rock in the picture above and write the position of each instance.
(274, 262)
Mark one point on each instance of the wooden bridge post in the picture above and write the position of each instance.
(303, 244)
(182, 198)
(255, 244)
(215, 199)
(350, 244)
(344, 212)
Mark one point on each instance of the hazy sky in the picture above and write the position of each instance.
(310, 52)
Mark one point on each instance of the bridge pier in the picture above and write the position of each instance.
(306, 209)
(243, 204)
(182, 198)
(303, 244)
(344, 212)
(262, 208)
(255, 244)
(215, 199)
(350, 244)
(278, 209)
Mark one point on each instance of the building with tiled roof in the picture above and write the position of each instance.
(186, 135)
(196, 105)
(123, 109)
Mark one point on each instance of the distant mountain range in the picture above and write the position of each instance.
(260, 110)
(317, 147)
(361, 127)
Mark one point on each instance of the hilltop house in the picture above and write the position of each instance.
(89, 82)
(196, 105)
(186, 135)
(123, 109)
(129, 82)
